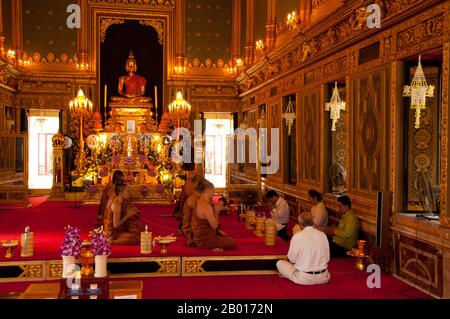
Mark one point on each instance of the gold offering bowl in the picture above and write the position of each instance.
(9, 246)
(164, 242)
(360, 258)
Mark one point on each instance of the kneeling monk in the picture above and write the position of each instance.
(205, 222)
(122, 221)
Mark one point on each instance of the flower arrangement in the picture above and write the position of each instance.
(143, 159)
(91, 189)
(115, 159)
(100, 244)
(144, 191)
(129, 161)
(103, 172)
(71, 245)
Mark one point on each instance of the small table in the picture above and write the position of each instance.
(125, 289)
(41, 291)
(85, 291)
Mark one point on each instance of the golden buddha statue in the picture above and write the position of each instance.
(131, 86)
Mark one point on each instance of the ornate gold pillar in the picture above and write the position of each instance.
(82, 34)
(302, 13)
(308, 9)
(271, 24)
(250, 33)
(17, 39)
(2, 36)
(180, 49)
(57, 191)
(17, 122)
(236, 30)
(445, 139)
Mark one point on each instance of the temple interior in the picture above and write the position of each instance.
(123, 121)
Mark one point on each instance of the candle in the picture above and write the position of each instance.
(146, 241)
(156, 102)
(106, 99)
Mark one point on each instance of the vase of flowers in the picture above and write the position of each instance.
(70, 250)
(101, 248)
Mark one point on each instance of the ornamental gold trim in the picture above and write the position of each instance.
(105, 23)
(31, 271)
(193, 266)
(158, 25)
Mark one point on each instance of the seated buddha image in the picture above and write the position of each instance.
(132, 86)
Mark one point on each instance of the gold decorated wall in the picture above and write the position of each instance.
(45, 30)
(369, 65)
(331, 43)
(208, 31)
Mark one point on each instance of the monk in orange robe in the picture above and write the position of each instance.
(122, 222)
(117, 178)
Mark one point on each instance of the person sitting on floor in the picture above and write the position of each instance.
(308, 255)
(188, 189)
(280, 213)
(117, 178)
(318, 210)
(122, 223)
(205, 222)
(188, 208)
(344, 237)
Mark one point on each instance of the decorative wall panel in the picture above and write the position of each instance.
(45, 29)
(310, 136)
(370, 99)
(419, 263)
(208, 31)
(7, 22)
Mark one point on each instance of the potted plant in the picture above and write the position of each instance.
(70, 250)
(101, 248)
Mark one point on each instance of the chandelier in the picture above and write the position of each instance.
(244, 124)
(289, 116)
(77, 106)
(419, 90)
(292, 20)
(80, 103)
(260, 47)
(335, 107)
(179, 105)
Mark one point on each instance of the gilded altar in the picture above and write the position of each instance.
(130, 143)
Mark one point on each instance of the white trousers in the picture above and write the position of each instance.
(287, 270)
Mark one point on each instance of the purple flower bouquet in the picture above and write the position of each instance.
(71, 245)
(100, 243)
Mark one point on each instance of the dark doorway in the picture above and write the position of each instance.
(148, 52)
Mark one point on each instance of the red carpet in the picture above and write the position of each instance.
(34, 201)
(48, 220)
(346, 283)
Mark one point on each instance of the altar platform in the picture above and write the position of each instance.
(48, 219)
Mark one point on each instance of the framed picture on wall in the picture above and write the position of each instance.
(131, 126)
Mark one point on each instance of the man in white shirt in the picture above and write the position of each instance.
(280, 213)
(308, 255)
